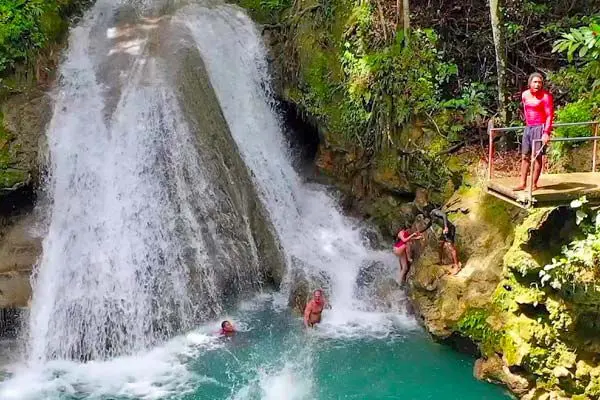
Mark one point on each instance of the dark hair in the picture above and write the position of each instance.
(223, 324)
(534, 75)
(318, 290)
(404, 227)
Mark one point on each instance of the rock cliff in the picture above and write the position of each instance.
(536, 335)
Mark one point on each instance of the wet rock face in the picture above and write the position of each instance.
(376, 284)
(494, 370)
(241, 218)
(20, 247)
(540, 341)
(23, 119)
(302, 284)
(441, 299)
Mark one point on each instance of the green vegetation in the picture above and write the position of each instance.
(404, 103)
(575, 271)
(474, 325)
(543, 317)
(581, 80)
(28, 29)
(9, 176)
(367, 88)
(583, 41)
(26, 26)
(394, 107)
(265, 11)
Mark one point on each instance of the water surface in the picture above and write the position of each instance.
(271, 357)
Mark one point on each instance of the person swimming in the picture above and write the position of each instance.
(314, 308)
(227, 329)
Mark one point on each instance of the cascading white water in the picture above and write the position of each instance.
(310, 225)
(137, 246)
(137, 209)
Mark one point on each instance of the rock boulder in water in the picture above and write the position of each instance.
(302, 284)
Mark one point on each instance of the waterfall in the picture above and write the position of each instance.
(153, 220)
(315, 235)
(170, 185)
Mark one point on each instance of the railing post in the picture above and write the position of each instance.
(531, 165)
(490, 130)
(595, 150)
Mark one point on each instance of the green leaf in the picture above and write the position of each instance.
(580, 216)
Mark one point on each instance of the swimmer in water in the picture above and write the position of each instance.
(314, 308)
(227, 329)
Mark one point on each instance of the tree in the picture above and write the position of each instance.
(406, 19)
(499, 47)
(584, 40)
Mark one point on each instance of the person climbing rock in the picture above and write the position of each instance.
(314, 308)
(227, 329)
(447, 239)
(402, 250)
(538, 107)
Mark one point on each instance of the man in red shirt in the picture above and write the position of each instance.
(539, 112)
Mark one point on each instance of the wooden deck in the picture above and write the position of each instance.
(554, 189)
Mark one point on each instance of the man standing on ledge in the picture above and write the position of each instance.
(539, 112)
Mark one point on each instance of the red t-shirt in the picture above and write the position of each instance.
(539, 109)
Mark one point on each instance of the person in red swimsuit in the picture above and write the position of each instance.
(402, 250)
(538, 105)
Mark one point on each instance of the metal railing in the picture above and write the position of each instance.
(492, 133)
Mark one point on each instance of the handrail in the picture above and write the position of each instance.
(492, 130)
(560, 124)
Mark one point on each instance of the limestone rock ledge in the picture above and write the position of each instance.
(541, 342)
(483, 238)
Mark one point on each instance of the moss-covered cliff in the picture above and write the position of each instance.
(530, 304)
(374, 95)
(392, 106)
(32, 33)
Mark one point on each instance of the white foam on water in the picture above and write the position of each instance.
(364, 324)
(290, 382)
(156, 374)
(132, 253)
(255, 303)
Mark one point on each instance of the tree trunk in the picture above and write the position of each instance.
(499, 47)
(406, 19)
